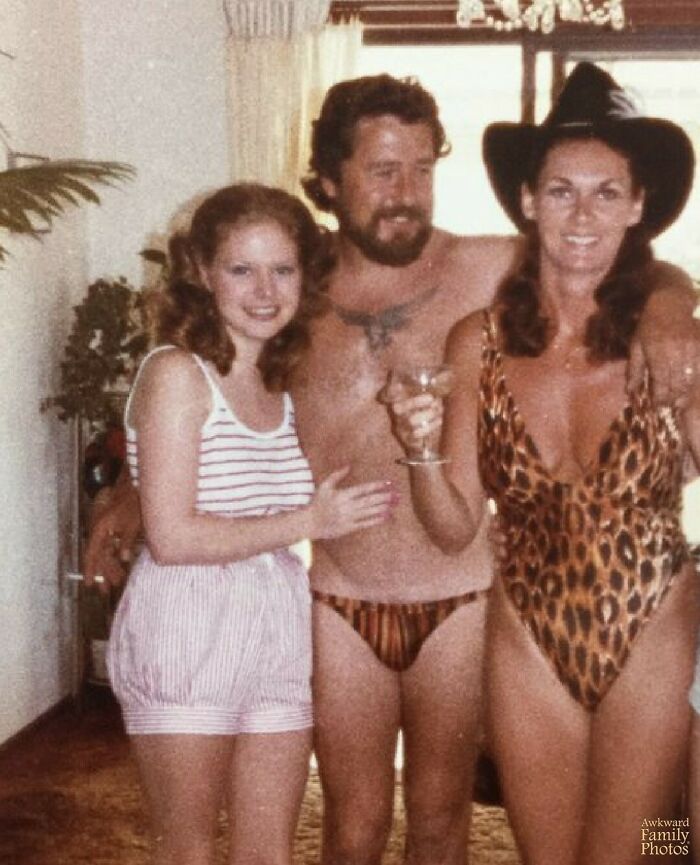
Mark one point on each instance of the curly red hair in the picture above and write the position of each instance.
(188, 315)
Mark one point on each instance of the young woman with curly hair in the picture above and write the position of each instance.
(210, 651)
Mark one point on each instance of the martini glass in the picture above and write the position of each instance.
(413, 380)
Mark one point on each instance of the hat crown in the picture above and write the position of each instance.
(591, 96)
(592, 104)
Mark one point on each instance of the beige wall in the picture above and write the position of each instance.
(41, 107)
(156, 97)
(104, 79)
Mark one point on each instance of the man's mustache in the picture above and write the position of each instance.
(415, 213)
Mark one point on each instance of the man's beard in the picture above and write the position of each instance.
(401, 249)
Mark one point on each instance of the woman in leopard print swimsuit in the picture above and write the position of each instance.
(593, 618)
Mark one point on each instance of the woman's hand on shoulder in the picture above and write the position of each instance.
(335, 510)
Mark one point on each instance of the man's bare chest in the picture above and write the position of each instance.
(354, 349)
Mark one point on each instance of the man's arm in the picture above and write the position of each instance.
(113, 536)
(666, 340)
(484, 260)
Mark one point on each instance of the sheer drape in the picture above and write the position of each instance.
(248, 19)
(333, 56)
(281, 62)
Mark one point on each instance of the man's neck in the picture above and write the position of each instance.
(359, 280)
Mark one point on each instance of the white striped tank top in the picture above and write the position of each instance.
(242, 472)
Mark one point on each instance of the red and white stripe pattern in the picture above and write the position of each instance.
(243, 472)
(214, 649)
(221, 649)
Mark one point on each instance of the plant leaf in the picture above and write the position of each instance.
(43, 191)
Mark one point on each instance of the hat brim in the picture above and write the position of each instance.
(661, 150)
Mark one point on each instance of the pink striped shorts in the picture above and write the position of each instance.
(214, 649)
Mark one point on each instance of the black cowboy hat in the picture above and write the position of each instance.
(592, 101)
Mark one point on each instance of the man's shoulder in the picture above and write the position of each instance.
(476, 264)
(503, 246)
(489, 252)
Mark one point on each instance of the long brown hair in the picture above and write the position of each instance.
(620, 297)
(188, 315)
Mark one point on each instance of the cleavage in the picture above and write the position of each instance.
(567, 431)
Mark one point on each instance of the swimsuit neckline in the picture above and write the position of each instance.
(594, 463)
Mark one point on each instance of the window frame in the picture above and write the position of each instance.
(432, 22)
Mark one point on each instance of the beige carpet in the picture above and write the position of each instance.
(69, 794)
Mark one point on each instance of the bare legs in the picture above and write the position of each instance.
(265, 792)
(357, 710)
(442, 712)
(578, 786)
(360, 705)
(184, 780)
(187, 777)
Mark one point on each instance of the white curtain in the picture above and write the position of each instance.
(281, 62)
(333, 55)
(248, 19)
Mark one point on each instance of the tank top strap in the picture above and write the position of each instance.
(127, 404)
(218, 401)
(217, 398)
(289, 419)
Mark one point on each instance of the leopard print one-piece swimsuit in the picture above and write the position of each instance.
(589, 562)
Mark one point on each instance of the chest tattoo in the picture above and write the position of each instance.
(378, 327)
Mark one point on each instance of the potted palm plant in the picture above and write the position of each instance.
(107, 340)
(32, 196)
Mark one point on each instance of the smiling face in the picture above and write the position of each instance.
(583, 203)
(256, 280)
(384, 199)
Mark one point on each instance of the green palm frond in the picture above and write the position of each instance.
(36, 194)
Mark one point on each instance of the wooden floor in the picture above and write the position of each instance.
(69, 794)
